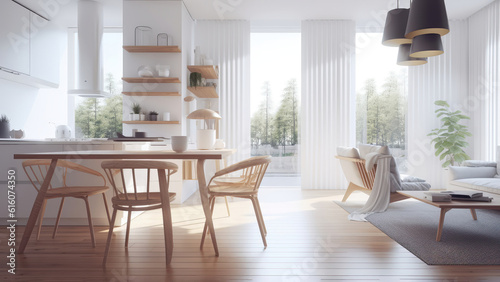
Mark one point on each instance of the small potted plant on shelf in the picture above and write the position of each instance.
(136, 110)
(195, 79)
(153, 115)
(4, 127)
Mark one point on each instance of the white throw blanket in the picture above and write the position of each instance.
(380, 195)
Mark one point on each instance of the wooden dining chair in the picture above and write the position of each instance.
(229, 180)
(136, 195)
(240, 180)
(36, 170)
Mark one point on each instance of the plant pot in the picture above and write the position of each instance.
(4, 130)
(136, 117)
(153, 117)
(142, 117)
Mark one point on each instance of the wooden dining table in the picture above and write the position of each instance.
(200, 155)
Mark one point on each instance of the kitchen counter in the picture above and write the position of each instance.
(54, 141)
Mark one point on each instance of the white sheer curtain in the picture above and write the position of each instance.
(484, 80)
(227, 42)
(444, 77)
(328, 101)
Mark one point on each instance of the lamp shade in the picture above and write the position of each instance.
(404, 58)
(426, 17)
(204, 114)
(426, 45)
(395, 28)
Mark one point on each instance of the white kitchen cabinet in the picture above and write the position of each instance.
(45, 51)
(29, 47)
(14, 38)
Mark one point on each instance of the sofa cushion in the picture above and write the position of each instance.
(349, 168)
(498, 160)
(476, 163)
(491, 185)
(415, 186)
(365, 149)
(348, 152)
(462, 172)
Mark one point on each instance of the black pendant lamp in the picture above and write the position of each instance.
(395, 27)
(404, 58)
(427, 17)
(426, 45)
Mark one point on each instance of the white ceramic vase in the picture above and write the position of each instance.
(205, 139)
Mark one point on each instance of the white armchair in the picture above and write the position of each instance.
(353, 163)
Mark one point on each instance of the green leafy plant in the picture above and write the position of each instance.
(136, 108)
(195, 79)
(4, 119)
(449, 138)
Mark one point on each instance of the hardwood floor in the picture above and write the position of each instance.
(309, 239)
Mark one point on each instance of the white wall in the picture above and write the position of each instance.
(32, 110)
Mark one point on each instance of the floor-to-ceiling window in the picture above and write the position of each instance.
(102, 117)
(275, 93)
(381, 96)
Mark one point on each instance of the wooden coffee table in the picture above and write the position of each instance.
(446, 206)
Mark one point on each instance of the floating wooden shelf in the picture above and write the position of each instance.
(150, 122)
(151, 79)
(152, 49)
(204, 91)
(151, 93)
(208, 72)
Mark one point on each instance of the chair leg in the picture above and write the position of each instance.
(167, 230)
(58, 218)
(227, 207)
(260, 215)
(129, 218)
(40, 219)
(351, 188)
(261, 225)
(106, 207)
(211, 201)
(91, 226)
(110, 234)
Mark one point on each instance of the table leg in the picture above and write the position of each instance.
(37, 205)
(441, 221)
(473, 212)
(202, 183)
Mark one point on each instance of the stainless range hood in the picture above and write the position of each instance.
(89, 72)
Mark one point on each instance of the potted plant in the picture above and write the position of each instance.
(153, 115)
(195, 79)
(449, 138)
(4, 127)
(136, 110)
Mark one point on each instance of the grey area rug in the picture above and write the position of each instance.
(464, 241)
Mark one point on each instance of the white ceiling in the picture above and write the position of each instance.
(364, 12)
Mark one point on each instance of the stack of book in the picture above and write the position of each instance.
(446, 196)
(467, 196)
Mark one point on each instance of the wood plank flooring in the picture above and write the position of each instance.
(309, 239)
